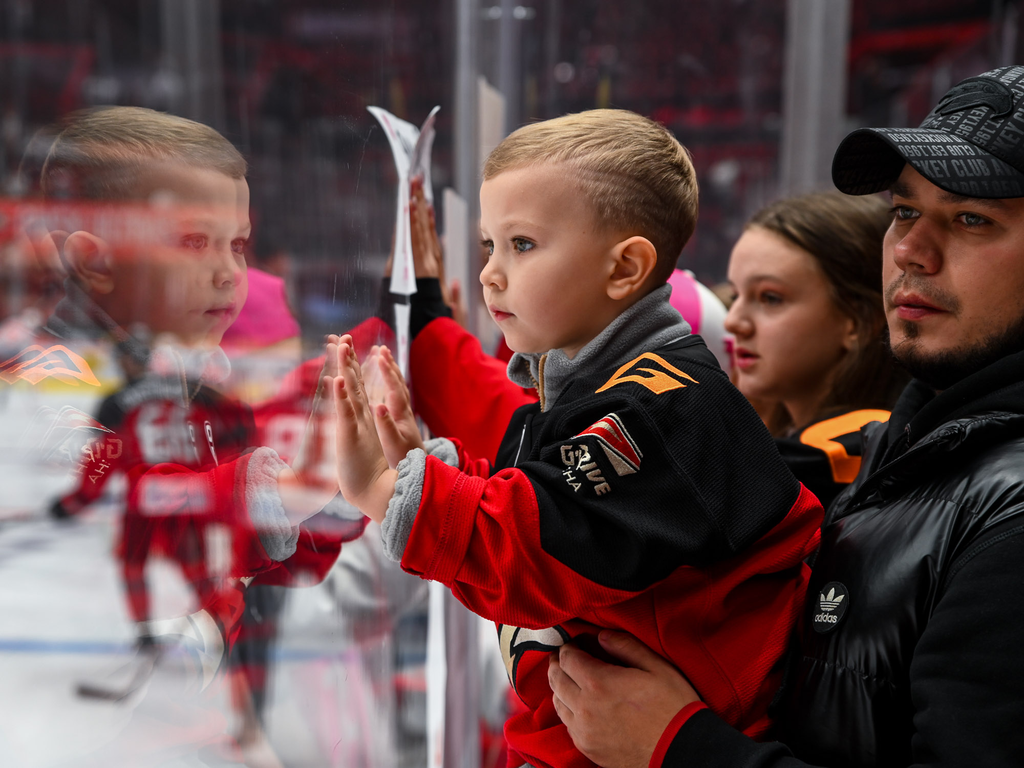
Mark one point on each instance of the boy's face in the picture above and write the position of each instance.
(545, 282)
(194, 286)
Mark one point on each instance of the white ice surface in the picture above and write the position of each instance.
(63, 621)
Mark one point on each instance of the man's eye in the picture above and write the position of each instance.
(973, 219)
(194, 242)
(903, 213)
(521, 244)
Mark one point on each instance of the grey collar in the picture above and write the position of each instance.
(650, 323)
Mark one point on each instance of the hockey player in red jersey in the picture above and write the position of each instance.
(642, 492)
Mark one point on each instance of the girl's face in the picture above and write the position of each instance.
(790, 335)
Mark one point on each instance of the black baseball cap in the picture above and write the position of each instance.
(971, 144)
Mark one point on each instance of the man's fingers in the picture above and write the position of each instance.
(582, 668)
(564, 713)
(631, 651)
(562, 686)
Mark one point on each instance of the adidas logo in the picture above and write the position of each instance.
(832, 606)
(831, 602)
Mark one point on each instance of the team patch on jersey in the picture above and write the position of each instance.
(515, 642)
(33, 364)
(582, 468)
(651, 371)
(617, 444)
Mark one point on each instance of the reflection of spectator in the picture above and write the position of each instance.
(265, 320)
(263, 324)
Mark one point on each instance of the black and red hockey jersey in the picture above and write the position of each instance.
(649, 498)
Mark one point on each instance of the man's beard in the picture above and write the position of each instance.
(945, 369)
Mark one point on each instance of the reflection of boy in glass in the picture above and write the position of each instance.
(165, 293)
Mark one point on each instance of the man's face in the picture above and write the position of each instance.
(194, 286)
(549, 261)
(953, 274)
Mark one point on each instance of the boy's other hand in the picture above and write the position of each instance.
(363, 473)
(392, 409)
(427, 256)
(616, 715)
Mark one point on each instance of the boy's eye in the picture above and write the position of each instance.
(521, 244)
(238, 246)
(194, 242)
(771, 298)
(488, 246)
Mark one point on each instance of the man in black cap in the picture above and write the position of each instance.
(912, 645)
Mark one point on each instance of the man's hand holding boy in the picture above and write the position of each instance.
(616, 715)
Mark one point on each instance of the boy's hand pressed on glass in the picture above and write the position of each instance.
(364, 477)
(392, 410)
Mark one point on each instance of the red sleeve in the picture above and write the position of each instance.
(214, 496)
(459, 390)
(481, 538)
(470, 465)
(677, 722)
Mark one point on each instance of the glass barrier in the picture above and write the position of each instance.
(193, 194)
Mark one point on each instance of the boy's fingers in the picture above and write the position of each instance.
(331, 359)
(350, 372)
(386, 423)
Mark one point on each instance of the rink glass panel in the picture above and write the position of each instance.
(329, 670)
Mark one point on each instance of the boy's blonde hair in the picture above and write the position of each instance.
(99, 154)
(637, 176)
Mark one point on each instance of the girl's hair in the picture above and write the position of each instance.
(844, 236)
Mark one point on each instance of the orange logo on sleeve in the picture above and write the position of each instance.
(651, 371)
(34, 364)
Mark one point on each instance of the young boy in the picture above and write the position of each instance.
(642, 492)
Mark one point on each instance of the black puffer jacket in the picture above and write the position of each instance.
(912, 652)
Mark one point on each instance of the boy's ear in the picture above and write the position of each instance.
(635, 259)
(89, 258)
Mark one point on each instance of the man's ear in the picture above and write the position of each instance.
(90, 260)
(635, 259)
